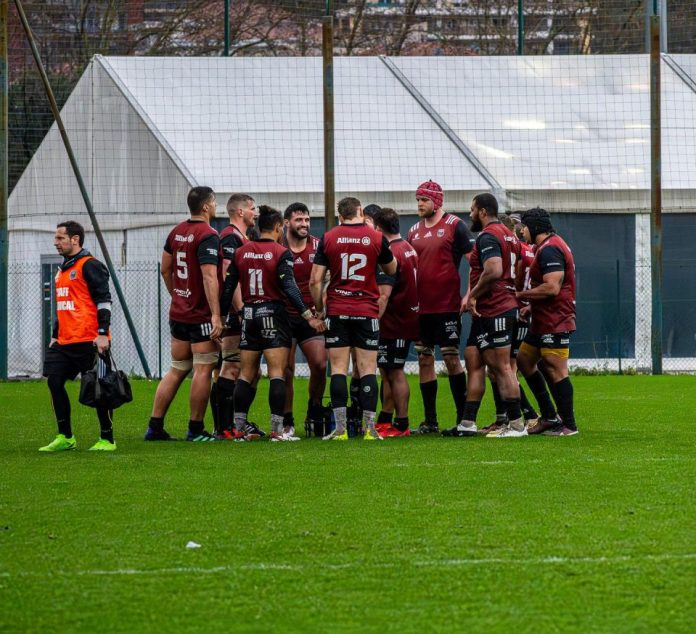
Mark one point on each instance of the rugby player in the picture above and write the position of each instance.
(263, 269)
(190, 270)
(398, 324)
(440, 239)
(351, 253)
(303, 246)
(493, 306)
(552, 300)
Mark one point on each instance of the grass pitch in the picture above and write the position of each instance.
(583, 534)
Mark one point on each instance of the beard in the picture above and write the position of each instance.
(476, 225)
(297, 235)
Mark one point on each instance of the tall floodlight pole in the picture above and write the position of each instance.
(656, 196)
(328, 91)
(520, 27)
(81, 185)
(4, 254)
(227, 28)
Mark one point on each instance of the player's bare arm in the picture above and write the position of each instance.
(166, 271)
(550, 287)
(316, 286)
(212, 290)
(385, 291)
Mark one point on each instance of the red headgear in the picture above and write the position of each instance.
(433, 191)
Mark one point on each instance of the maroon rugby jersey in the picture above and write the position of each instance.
(496, 240)
(555, 314)
(302, 268)
(400, 319)
(257, 266)
(191, 244)
(440, 249)
(525, 259)
(351, 252)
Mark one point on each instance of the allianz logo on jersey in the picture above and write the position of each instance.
(364, 240)
(178, 238)
(250, 255)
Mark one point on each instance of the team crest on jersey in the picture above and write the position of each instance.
(73, 275)
(366, 241)
(440, 233)
(311, 257)
(268, 255)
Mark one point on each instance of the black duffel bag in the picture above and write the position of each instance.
(105, 385)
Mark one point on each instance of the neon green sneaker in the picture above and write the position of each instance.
(335, 436)
(372, 434)
(103, 445)
(61, 443)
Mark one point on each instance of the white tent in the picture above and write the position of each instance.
(571, 132)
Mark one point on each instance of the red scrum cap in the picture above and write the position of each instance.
(431, 190)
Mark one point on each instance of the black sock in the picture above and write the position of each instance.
(471, 409)
(315, 411)
(243, 396)
(61, 404)
(354, 408)
(214, 405)
(458, 388)
(369, 393)
(563, 390)
(499, 405)
(512, 407)
(196, 427)
(429, 394)
(385, 417)
(105, 417)
(400, 423)
(527, 408)
(537, 384)
(338, 390)
(276, 396)
(156, 423)
(225, 399)
(288, 420)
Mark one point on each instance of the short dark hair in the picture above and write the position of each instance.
(197, 197)
(387, 220)
(235, 201)
(73, 228)
(371, 210)
(348, 207)
(268, 218)
(295, 208)
(487, 202)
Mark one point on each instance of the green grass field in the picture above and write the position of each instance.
(594, 533)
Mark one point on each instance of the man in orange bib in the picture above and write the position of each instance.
(83, 306)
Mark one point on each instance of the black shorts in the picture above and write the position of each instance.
(193, 333)
(301, 330)
(265, 326)
(352, 332)
(69, 360)
(492, 332)
(440, 329)
(518, 334)
(392, 353)
(233, 326)
(553, 341)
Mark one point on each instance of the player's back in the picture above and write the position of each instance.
(352, 252)
(257, 265)
(400, 319)
(191, 244)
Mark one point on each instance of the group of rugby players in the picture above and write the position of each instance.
(363, 294)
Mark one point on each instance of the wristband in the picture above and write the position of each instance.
(307, 314)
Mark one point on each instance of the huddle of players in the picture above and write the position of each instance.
(364, 291)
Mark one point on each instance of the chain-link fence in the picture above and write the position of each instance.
(549, 107)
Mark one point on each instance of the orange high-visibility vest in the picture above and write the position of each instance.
(77, 312)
